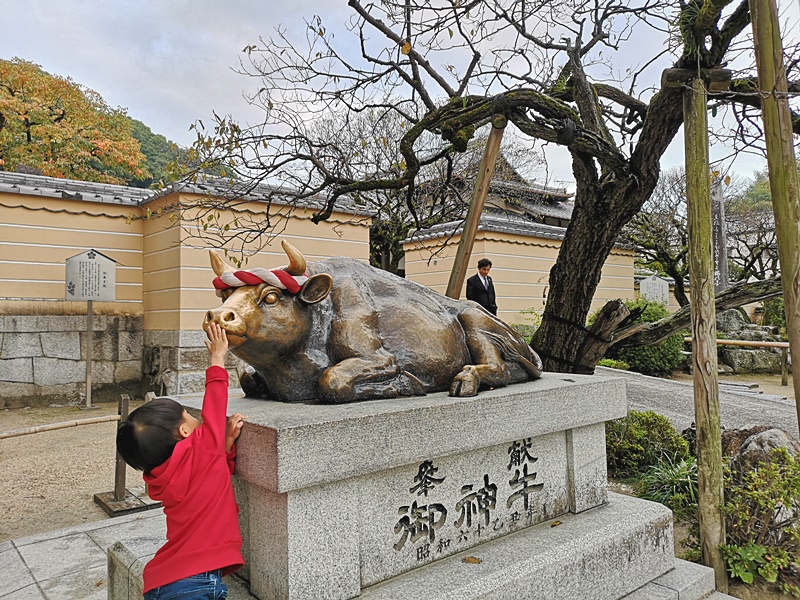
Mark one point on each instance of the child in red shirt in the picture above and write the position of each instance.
(188, 466)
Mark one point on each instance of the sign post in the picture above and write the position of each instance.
(91, 276)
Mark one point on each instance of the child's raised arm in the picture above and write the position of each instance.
(217, 344)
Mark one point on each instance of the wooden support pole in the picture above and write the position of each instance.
(119, 468)
(89, 346)
(782, 166)
(490, 152)
(704, 332)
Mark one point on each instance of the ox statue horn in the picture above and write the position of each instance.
(218, 265)
(297, 262)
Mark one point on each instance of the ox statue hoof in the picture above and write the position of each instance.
(465, 383)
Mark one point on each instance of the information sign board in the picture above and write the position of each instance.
(91, 275)
(654, 289)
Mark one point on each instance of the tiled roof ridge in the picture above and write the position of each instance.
(71, 188)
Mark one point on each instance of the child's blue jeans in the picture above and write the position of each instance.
(205, 586)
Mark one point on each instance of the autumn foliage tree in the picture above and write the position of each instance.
(62, 128)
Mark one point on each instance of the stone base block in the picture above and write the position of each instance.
(616, 551)
(601, 554)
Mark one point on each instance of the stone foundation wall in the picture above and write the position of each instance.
(175, 362)
(43, 359)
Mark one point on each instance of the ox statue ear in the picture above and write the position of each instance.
(316, 289)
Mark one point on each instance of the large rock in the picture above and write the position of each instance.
(733, 439)
(759, 446)
(748, 360)
(731, 320)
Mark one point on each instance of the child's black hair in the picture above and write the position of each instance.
(148, 436)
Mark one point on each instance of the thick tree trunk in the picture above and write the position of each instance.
(576, 274)
(602, 206)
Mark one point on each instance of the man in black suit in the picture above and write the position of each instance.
(480, 287)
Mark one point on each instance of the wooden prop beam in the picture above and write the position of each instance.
(704, 332)
(782, 166)
(467, 241)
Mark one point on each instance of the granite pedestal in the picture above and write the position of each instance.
(500, 495)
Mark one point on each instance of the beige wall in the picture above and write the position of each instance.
(163, 272)
(38, 234)
(177, 280)
(520, 270)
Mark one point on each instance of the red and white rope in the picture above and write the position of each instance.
(277, 277)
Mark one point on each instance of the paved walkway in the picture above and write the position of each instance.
(72, 563)
(675, 400)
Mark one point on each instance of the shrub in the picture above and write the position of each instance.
(774, 314)
(657, 360)
(746, 562)
(526, 331)
(613, 364)
(639, 441)
(763, 503)
(673, 483)
(762, 522)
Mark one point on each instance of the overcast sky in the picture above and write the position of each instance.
(169, 62)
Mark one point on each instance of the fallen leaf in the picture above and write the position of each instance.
(555, 523)
(472, 560)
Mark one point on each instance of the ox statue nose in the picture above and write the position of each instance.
(229, 320)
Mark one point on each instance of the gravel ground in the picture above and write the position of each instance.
(49, 478)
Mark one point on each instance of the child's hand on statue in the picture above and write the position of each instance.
(217, 344)
(234, 429)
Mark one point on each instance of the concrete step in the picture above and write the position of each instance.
(126, 561)
(687, 581)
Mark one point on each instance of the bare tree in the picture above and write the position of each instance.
(752, 239)
(659, 231)
(445, 68)
(660, 236)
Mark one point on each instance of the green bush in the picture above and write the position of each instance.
(763, 503)
(656, 360)
(639, 441)
(613, 364)
(774, 314)
(526, 331)
(673, 483)
(747, 562)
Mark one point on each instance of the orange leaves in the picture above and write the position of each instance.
(63, 128)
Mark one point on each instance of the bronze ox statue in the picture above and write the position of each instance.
(339, 330)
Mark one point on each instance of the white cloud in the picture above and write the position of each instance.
(171, 63)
